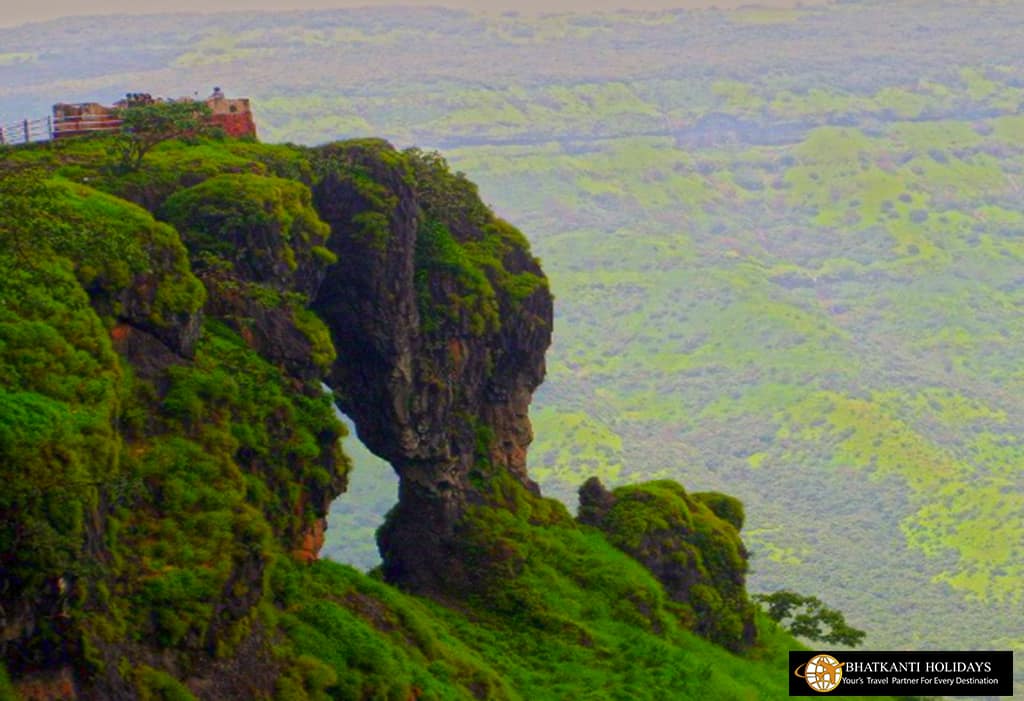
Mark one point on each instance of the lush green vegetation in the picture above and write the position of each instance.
(257, 222)
(740, 247)
(56, 436)
(699, 553)
(176, 486)
(145, 123)
(437, 250)
(63, 385)
(478, 261)
(162, 493)
(564, 615)
(806, 616)
(225, 464)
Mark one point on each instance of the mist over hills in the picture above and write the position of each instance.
(785, 247)
(64, 8)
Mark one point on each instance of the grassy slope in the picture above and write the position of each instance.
(561, 613)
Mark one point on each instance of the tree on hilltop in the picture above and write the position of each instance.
(146, 123)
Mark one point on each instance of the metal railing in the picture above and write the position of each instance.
(28, 131)
(84, 124)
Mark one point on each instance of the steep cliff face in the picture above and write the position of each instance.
(441, 318)
(169, 452)
(181, 439)
(62, 393)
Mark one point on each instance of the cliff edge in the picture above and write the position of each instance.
(170, 449)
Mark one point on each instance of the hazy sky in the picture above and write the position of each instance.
(20, 11)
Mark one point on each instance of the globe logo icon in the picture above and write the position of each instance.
(822, 672)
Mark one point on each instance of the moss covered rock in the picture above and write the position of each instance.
(265, 227)
(168, 453)
(259, 247)
(440, 313)
(691, 544)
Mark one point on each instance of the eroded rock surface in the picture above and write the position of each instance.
(441, 318)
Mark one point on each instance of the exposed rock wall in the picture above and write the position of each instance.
(437, 356)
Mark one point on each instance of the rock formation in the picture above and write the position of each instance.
(689, 542)
(441, 318)
(170, 451)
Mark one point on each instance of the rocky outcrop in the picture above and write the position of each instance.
(689, 542)
(252, 257)
(143, 280)
(258, 246)
(441, 318)
(171, 453)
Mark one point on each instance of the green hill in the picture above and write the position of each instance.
(169, 452)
